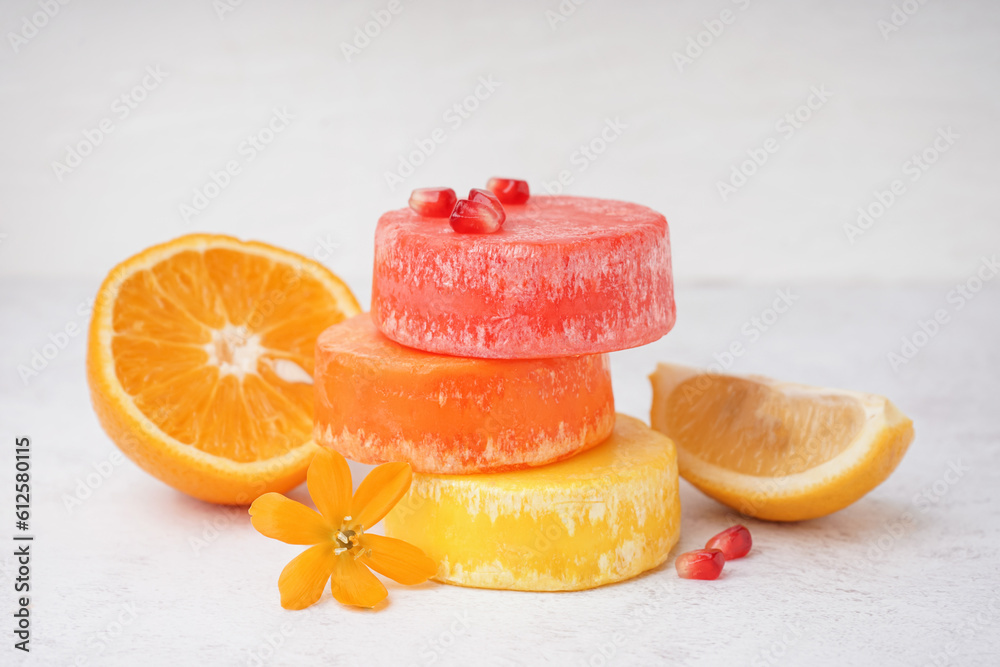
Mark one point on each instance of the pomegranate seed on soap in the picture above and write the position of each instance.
(433, 202)
(700, 564)
(477, 217)
(509, 190)
(733, 542)
(486, 197)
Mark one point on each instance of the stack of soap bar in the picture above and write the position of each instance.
(378, 401)
(563, 276)
(483, 365)
(605, 515)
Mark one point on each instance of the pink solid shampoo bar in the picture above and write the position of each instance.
(563, 276)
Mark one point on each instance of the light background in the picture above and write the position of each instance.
(322, 179)
(853, 588)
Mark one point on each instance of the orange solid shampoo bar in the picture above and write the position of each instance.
(378, 401)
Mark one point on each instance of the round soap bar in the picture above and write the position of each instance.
(605, 515)
(563, 276)
(378, 401)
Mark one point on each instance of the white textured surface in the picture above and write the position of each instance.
(864, 586)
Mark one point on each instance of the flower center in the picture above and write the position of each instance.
(347, 538)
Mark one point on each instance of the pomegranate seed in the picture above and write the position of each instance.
(433, 202)
(700, 564)
(509, 190)
(476, 217)
(486, 197)
(733, 542)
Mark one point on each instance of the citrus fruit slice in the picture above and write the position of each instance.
(200, 361)
(777, 450)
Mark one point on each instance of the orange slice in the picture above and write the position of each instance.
(200, 362)
(777, 450)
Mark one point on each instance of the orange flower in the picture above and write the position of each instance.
(342, 550)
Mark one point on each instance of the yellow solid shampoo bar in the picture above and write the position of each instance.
(605, 515)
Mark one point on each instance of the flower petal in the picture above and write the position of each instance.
(380, 490)
(302, 581)
(396, 559)
(277, 517)
(354, 584)
(329, 483)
